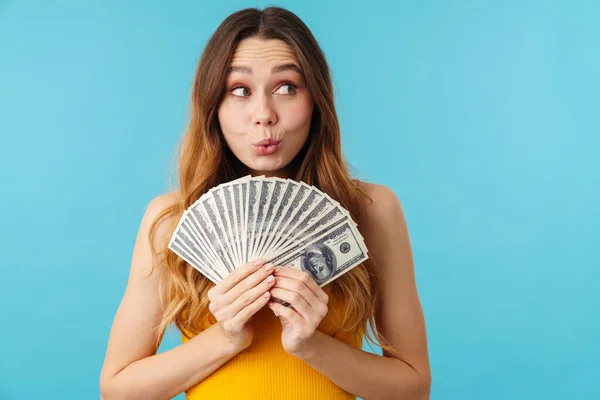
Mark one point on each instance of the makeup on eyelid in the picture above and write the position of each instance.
(266, 112)
(293, 89)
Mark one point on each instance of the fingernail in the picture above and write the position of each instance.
(271, 304)
(270, 279)
(277, 269)
(268, 267)
(267, 294)
(258, 262)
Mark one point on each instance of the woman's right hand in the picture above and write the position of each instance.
(235, 299)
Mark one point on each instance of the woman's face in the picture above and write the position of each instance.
(266, 111)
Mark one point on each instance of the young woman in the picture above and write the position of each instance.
(262, 104)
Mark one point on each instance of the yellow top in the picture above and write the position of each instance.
(264, 371)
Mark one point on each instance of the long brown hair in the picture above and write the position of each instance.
(205, 161)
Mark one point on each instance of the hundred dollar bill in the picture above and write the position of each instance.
(308, 221)
(326, 255)
(185, 247)
(209, 205)
(234, 195)
(237, 218)
(321, 222)
(283, 210)
(224, 213)
(302, 197)
(243, 224)
(177, 247)
(264, 199)
(200, 238)
(201, 250)
(206, 227)
(254, 188)
(233, 217)
(279, 187)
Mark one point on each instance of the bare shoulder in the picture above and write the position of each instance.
(133, 334)
(156, 206)
(399, 315)
(384, 228)
(381, 205)
(142, 257)
(162, 202)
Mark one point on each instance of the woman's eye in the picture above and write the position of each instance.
(291, 88)
(241, 91)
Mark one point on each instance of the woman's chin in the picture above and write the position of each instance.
(266, 167)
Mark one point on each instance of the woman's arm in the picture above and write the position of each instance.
(132, 370)
(399, 317)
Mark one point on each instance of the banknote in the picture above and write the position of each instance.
(282, 221)
(329, 255)
(274, 202)
(183, 241)
(266, 193)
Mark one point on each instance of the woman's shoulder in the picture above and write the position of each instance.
(381, 212)
(378, 199)
(163, 201)
(383, 224)
(155, 208)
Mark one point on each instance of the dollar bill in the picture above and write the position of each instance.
(307, 205)
(264, 199)
(236, 199)
(329, 255)
(299, 196)
(306, 221)
(187, 257)
(283, 206)
(277, 194)
(243, 225)
(254, 190)
(206, 227)
(224, 214)
(202, 250)
(211, 211)
(320, 222)
(181, 241)
(279, 220)
(200, 238)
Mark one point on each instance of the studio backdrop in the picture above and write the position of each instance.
(482, 116)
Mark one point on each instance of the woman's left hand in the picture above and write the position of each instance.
(308, 308)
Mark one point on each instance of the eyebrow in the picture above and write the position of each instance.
(274, 70)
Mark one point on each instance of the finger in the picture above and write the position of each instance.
(304, 277)
(286, 314)
(296, 300)
(248, 283)
(237, 276)
(297, 286)
(249, 296)
(247, 312)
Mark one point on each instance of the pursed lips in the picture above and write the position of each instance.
(267, 142)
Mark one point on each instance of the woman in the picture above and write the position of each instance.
(262, 103)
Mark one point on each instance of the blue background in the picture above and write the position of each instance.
(481, 115)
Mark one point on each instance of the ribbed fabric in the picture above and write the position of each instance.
(265, 371)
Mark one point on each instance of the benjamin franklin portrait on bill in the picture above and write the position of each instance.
(319, 261)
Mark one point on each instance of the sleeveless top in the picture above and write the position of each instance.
(266, 371)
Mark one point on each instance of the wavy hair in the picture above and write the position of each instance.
(205, 161)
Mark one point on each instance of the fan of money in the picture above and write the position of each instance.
(280, 221)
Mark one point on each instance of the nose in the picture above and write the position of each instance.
(264, 113)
